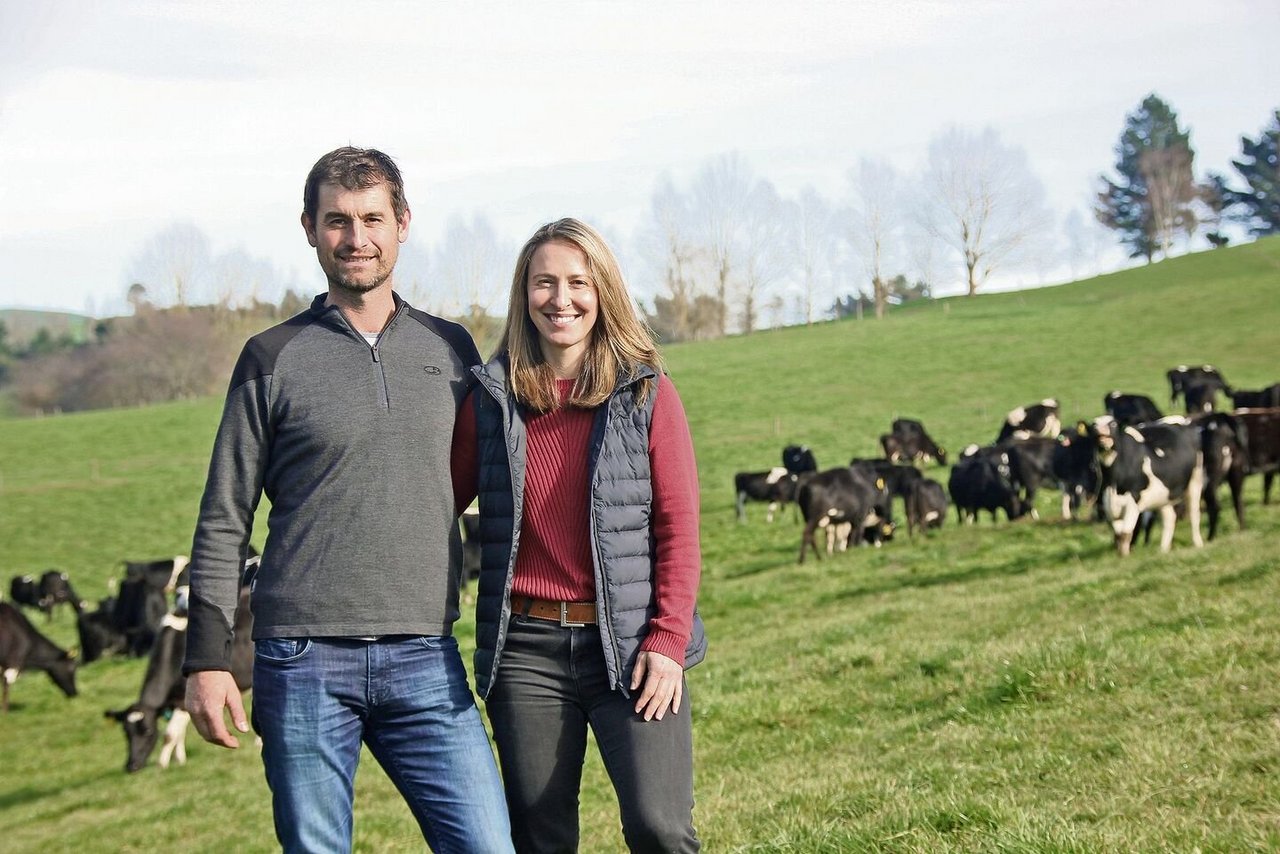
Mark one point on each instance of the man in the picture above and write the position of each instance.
(343, 417)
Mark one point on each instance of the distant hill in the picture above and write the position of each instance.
(23, 324)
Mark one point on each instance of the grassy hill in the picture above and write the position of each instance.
(22, 324)
(1002, 687)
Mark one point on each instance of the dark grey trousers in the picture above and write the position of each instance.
(551, 685)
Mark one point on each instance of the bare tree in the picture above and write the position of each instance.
(1171, 192)
(814, 238)
(721, 192)
(666, 243)
(764, 249)
(472, 275)
(173, 265)
(982, 200)
(875, 222)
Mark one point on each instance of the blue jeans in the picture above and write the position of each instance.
(315, 700)
(551, 686)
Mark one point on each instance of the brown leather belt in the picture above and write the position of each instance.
(564, 613)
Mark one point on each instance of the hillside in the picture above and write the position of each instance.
(1002, 687)
(22, 324)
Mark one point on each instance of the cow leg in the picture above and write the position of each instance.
(1125, 524)
(773, 508)
(808, 538)
(175, 739)
(1235, 480)
(1194, 489)
(1266, 486)
(6, 679)
(742, 506)
(1168, 518)
(1212, 509)
(1067, 513)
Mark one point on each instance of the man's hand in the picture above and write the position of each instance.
(663, 684)
(208, 693)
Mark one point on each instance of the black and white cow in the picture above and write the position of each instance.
(841, 502)
(1130, 409)
(1031, 463)
(1222, 441)
(1263, 398)
(1036, 419)
(1150, 467)
(926, 505)
(1198, 386)
(22, 647)
(909, 442)
(98, 632)
(798, 459)
(1261, 429)
(164, 688)
(982, 479)
(144, 599)
(1075, 467)
(776, 487)
(25, 590)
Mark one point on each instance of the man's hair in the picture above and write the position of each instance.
(620, 341)
(354, 169)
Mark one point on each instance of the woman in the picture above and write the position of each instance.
(585, 612)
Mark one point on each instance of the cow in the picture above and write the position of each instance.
(926, 505)
(1200, 397)
(1183, 377)
(1130, 409)
(832, 500)
(144, 600)
(24, 648)
(98, 632)
(798, 459)
(164, 687)
(1075, 467)
(1264, 398)
(25, 590)
(896, 480)
(909, 441)
(1261, 429)
(1036, 419)
(1031, 464)
(1150, 467)
(1222, 443)
(776, 486)
(982, 479)
(55, 590)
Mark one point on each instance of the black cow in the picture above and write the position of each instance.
(55, 590)
(798, 459)
(1036, 419)
(144, 600)
(164, 688)
(891, 480)
(1263, 398)
(1031, 464)
(24, 648)
(1129, 409)
(1261, 429)
(1225, 460)
(983, 480)
(1207, 381)
(776, 486)
(926, 505)
(1075, 467)
(25, 590)
(98, 632)
(909, 441)
(1150, 467)
(838, 500)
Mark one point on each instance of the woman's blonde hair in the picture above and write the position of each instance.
(620, 342)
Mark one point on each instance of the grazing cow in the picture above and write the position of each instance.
(1075, 467)
(24, 648)
(982, 479)
(1261, 429)
(1130, 409)
(798, 459)
(25, 590)
(896, 480)
(831, 500)
(1263, 398)
(1036, 419)
(143, 600)
(1031, 464)
(1183, 377)
(55, 590)
(98, 632)
(908, 442)
(164, 688)
(1200, 397)
(1150, 467)
(1225, 459)
(776, 486)
(926, 505)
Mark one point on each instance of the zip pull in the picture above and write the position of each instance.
(373, 348)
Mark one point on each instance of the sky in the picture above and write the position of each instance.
(118, 120)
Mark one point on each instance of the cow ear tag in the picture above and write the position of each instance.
(879, 483)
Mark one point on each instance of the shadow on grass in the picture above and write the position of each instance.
(31, 794)
(1253, 573)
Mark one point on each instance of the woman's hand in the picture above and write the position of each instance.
(663, 681)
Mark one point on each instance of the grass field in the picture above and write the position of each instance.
(1002, 687)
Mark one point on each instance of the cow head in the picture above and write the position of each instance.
(140, 733)
(63, 672)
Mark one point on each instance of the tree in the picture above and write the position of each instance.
(721, 193)
(764, 250)
(814, 238)
(173, 265)
(667, 243)
(471, 270)
(982, 200)
(1152, 196)
(1258, 206)
(874, 223)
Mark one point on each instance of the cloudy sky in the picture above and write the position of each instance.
(119, 119)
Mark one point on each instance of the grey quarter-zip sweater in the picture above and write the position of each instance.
(350, 442)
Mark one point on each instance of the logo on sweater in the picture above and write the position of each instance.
(431, 369)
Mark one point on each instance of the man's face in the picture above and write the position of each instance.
(357, 236)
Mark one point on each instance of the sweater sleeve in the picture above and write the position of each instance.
(231, 494)
(464, 461)
(674, 475)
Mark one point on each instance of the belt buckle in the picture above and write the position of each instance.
(565, 622)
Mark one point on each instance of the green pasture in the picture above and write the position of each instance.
(995, 688)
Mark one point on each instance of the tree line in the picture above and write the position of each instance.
(724, 253)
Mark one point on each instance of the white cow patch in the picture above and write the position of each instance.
(173, 621)
(1017, 416)
(776, 474)
(10, 675)
(135, 716)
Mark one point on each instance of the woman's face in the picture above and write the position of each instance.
(563, 304)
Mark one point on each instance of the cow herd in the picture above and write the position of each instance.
(1129, 465)
(146, 616)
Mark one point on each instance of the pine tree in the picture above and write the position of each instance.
(1153, 197)
(1258, 207)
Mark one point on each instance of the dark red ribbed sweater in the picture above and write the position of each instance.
(554, 558)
